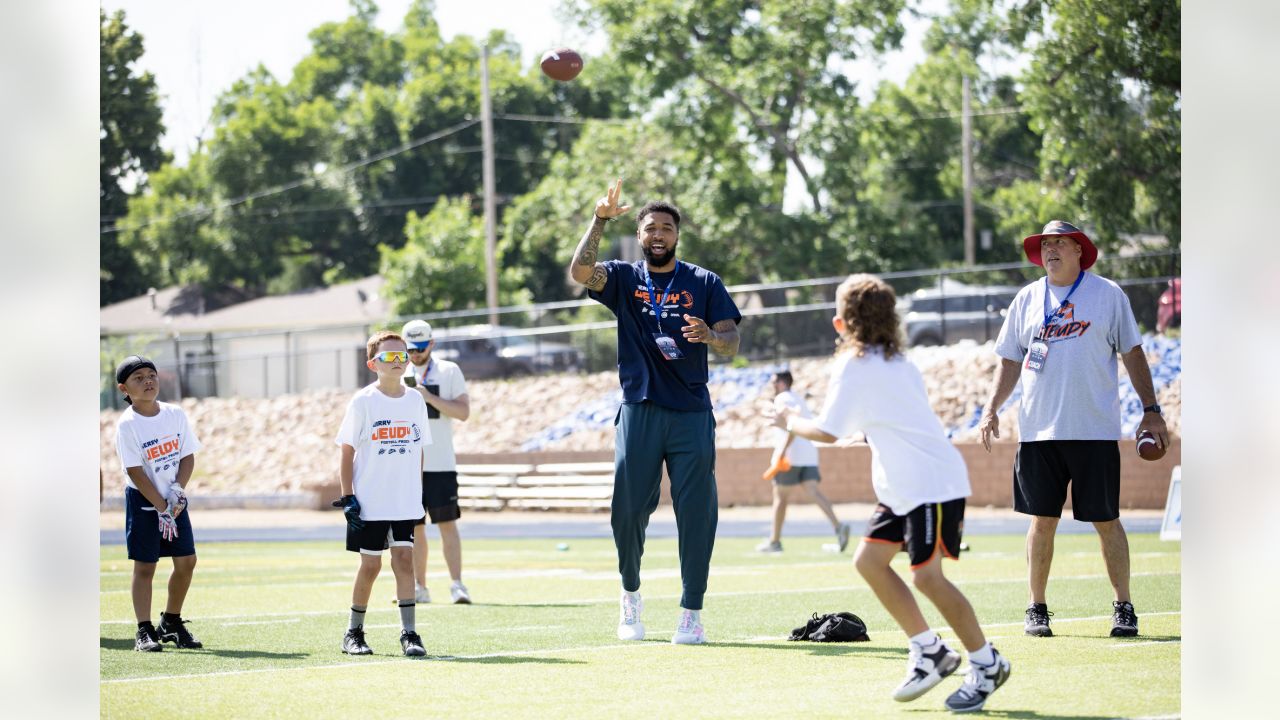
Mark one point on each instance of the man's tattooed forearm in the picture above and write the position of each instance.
(589, 248)
(725, 338)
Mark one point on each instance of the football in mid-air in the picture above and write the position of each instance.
(561, 64)
(1148, 446)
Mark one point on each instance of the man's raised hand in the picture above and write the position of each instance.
(607, 207)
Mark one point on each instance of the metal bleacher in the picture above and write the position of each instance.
(549, 486)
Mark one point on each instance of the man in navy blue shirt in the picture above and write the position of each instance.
(669, 313)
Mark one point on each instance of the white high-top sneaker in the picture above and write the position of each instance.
(689, 631)
(629, 625)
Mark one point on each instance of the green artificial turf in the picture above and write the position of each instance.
(539, 640)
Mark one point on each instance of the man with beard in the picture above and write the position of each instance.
(669, 313)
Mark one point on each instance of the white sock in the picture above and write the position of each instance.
(985, 655)
(926, 638)
(633, 594)
(697, 614)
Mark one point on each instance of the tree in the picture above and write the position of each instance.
(1105, 90)
(130, 126)
(763, 68)
(441, 265)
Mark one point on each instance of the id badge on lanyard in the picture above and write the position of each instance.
(666, 344)
(1038, 352)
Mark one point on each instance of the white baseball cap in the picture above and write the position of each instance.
(417, 334)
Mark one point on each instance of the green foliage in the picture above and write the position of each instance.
(715, 105)
(442, 264)
(1105, 90)
(130, 125)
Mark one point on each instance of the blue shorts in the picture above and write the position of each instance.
(142, 531)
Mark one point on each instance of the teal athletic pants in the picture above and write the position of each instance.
(646, 436)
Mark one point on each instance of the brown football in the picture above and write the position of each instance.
(561, 64)
(1148, 446)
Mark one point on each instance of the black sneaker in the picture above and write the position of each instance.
(353, 643)
(1124, 622)
(147, 640)
(412, 644)
(978, 685)
(174, 630)
(1038, 620)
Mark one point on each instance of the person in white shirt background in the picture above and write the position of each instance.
(795, 464)
(443, 387)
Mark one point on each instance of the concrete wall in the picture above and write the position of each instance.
(846, 473)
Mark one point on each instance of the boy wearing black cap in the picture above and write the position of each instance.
(156, 446)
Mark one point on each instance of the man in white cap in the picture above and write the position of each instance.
(1061, 337)
(445, 391)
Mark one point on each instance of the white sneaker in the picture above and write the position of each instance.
(421, 596)
(459, 593)
(925, 669)
(629, 625)
(769, 546)
(689, 631)
(978, 685)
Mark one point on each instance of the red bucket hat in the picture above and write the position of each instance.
(1088, 253)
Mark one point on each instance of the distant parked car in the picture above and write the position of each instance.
(1169, 309)
(959, 312)
(495, 351)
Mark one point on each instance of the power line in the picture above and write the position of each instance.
(403, 147)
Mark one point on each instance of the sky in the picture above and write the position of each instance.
(198, 49)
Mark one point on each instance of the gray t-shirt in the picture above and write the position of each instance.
(1076, 396)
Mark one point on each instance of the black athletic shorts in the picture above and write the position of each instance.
(922, 532)
(440, 496)
(142, 531)
(1042, 470)
(378, 535)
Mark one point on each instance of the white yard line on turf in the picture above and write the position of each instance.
(520, 628)
(674, 596)
(262, 622)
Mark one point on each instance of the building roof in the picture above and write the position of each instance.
(174, 309)
(351, 303)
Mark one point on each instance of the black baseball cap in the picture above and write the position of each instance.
(130, 365)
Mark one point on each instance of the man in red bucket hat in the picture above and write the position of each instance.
(1060, 338)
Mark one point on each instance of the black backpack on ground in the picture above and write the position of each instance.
(833, 627)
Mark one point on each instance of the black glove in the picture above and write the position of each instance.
(351, 508)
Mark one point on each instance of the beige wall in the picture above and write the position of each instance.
(846, 473)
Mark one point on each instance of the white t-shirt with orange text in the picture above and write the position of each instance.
(388, 435)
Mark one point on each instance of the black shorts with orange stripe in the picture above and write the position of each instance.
(924, 532)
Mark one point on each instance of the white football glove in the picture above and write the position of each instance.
(177, 500)
(168, 527)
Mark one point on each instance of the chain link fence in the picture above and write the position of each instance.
(780, 321)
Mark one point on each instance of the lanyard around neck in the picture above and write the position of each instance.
(653, 299)
(1050, 316)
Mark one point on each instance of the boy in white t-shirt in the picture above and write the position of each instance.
(795, 463)
(157, 448)
(921, 482)
(382, 435)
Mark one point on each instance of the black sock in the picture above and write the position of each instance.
(170, 617)
(146, 624)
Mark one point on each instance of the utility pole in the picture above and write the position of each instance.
(490, 201)
(966, 139)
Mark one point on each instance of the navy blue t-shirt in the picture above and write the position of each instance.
(644, 372)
